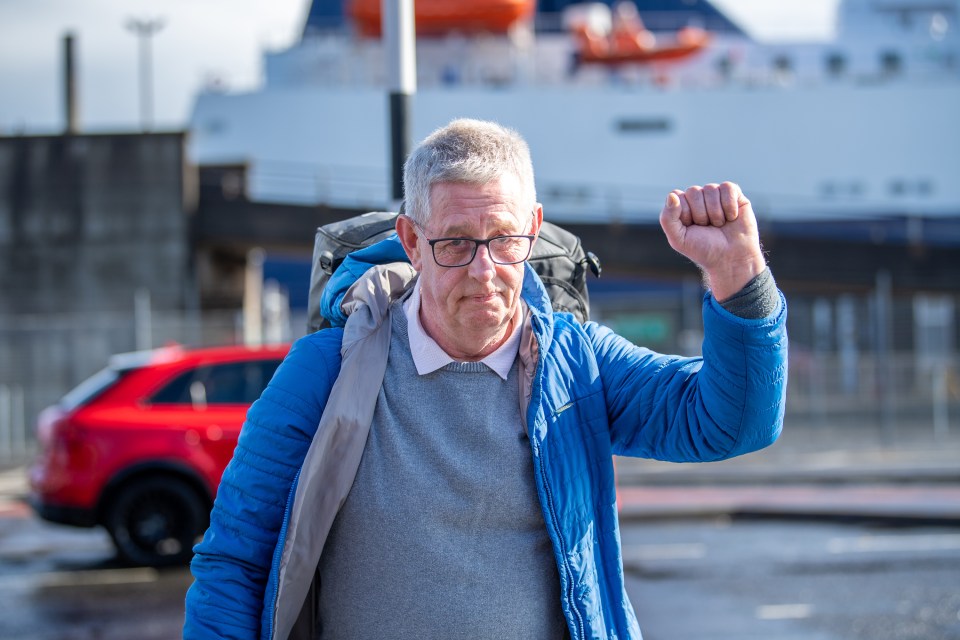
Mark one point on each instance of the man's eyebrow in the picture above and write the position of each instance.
(454, 231)
(459, 231)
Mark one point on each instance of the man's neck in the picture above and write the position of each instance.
(470, 347)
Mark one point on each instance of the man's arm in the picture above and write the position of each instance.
(727, 403)
(731, 401)
(232, 563)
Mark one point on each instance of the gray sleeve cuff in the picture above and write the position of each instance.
(758, 298)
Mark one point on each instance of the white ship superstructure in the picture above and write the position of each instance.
(865, 125)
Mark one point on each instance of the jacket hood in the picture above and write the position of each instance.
(351, 269)
(335, 303)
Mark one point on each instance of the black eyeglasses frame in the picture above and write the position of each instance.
(477, 243)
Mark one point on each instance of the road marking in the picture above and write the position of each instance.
(91, 578)
(54, 579)
(692, 551)
(784, 611)
(13, 482)
(12, 508)
(907, 543)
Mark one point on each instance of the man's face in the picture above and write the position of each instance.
(469, 310)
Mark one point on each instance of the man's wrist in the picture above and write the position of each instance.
(726, 281)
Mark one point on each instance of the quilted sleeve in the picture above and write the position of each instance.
(727, 403)
(231, 564)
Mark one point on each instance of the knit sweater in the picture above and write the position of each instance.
(442, 535)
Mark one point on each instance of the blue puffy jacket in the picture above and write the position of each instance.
(591, 395)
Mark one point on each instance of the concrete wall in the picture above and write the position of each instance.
(88, 220)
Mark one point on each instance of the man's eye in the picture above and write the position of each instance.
(454, 246)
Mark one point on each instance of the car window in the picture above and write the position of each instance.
(233, 383)
(90, 388)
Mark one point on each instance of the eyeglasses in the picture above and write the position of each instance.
(459, 252)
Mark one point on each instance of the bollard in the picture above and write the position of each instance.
(941, 418)
(18, 423)
(6, 435)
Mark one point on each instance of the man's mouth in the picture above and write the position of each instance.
(485, 296)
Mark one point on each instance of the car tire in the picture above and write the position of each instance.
(156, 521)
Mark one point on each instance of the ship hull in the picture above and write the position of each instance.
(612, 153)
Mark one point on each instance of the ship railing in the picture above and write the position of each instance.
(343, 185)
(366, 188)
(657, 21)
(619, 202)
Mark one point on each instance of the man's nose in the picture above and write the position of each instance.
(483, 267)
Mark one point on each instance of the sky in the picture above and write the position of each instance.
(202, 42)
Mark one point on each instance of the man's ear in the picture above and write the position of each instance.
(537, 220)
(407, 232)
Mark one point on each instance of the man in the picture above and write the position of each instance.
(441, 466)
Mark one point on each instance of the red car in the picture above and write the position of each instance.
(139, 447)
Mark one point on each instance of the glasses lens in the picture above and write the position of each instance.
(454, 253)
(458, 252)
(509, 249)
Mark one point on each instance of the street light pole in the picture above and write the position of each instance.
(144, 30)
(399, 41)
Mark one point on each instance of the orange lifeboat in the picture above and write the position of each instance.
(629, 41)
(598, 50)
(435, 17)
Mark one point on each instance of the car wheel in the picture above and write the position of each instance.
(155, 522)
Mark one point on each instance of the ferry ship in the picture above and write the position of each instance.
(619, 104)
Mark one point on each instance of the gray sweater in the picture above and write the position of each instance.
(442, 535)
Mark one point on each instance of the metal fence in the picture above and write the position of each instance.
(15, 434)
(843, 371)
(44, 356)
(896, 393)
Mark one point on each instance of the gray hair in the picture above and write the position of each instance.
(466, 151)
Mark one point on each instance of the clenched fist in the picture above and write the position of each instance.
(714, 226)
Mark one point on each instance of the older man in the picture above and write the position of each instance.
(441, 466)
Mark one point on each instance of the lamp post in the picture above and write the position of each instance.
(144, 30)
(399, 40)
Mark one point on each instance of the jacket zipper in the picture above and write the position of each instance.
(571, 595)
(278, 552)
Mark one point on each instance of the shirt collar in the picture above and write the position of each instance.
(428, 356)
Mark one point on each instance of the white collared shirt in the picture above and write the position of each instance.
(428, 356)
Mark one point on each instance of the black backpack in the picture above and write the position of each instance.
(558, 258)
